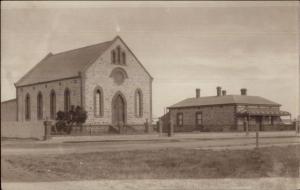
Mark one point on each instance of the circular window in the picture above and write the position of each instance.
(118, 77)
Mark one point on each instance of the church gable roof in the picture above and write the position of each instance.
(63, 65)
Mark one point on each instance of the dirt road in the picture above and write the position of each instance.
(19, 148)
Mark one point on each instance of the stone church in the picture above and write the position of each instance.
(106, 79)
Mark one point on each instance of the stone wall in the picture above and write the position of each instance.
(98, 75)
(214, 118)
(9, 110)
(45, 88)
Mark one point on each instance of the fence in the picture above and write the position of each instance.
(14, 129)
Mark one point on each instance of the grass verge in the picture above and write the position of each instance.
(154, 164)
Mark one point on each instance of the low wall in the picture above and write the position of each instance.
(9, 110)
(226, 128)
(106, 129)
(14, 129)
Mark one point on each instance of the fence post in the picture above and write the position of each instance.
(47, 125)
(160, 126)
(246, 126)
(297, 126)
(256, 139)
(147, 126)
(171, 129)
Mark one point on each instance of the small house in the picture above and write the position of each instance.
(224, 112)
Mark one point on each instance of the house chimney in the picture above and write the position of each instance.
(197, 92)
(244, 91)
(219, 91)
(223, 92)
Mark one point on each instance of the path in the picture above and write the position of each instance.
(173, 184)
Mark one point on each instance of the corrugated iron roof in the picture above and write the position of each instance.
(259, 111)
(63, 65)
(220, 100)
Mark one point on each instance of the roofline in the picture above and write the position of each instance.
(43, 82)
(11, 100)
(30, 71)
(70, 50)
(97, 57)
(209, 105)
(84, 69)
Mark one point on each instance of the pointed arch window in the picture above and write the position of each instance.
(40, 106)
(52, 104)
(98, 102)
(138, 103)
(67, 100)
(27, 107)
(123, 58)
(119, 55)
(113, 56)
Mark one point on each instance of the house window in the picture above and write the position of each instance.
(138, 103)
(98, 102)
(67, 99)
(199, 118)
(267, 120)
(179, 119)
(123, 58)
(119, 55)
(40, 106)
(27, 107)
(52, 104)
(113, 56)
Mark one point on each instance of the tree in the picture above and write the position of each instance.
(60, 124)
(80, 117)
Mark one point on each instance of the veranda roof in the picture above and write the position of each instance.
(263, 112)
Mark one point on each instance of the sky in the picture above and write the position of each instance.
(184, 45)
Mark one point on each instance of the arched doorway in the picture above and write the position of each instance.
(118, 110)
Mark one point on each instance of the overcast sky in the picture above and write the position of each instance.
(184, 45)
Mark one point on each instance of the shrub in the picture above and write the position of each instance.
(66, 120)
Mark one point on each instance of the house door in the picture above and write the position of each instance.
(259, 123)
(118, 110)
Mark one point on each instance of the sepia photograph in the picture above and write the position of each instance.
(150, 95)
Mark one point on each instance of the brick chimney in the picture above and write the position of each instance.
(223, 92)
(197, 92)
(219, 91)
(244, 91)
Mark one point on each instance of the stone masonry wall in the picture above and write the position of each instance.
(214, 118)
(98, 74)
(45, 88)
